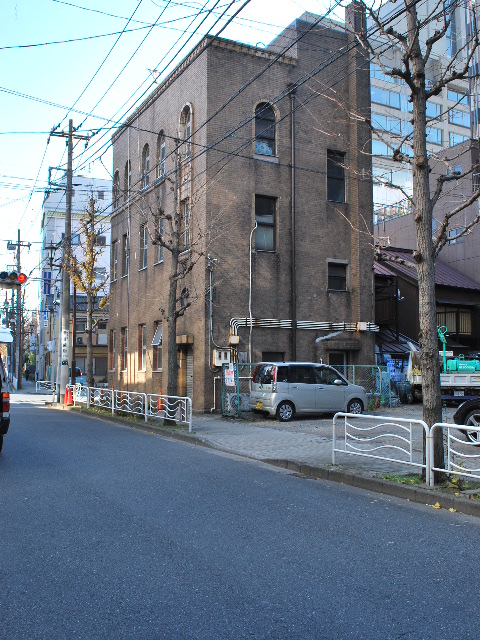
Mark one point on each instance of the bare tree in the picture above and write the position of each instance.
(174, 226)
(421, 64)
(83, 269)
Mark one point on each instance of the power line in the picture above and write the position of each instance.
(103, 61)
(170, 62)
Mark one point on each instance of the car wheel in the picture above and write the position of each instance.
(285, 411)
(355, 406)
(1, 442)
(473, 419)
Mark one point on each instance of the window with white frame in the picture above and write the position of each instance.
(186, 132)
(124, 333)
(161, 155)
(185, 224)
(116, 190)
(387, 98)
(460, 118)
(159, 230)
(125, 255)
(100, 273)
(457, 96)
(434, 135)
(127, 180)
(456, 138)
(454, 236)
(114, 265)
(157, 346)
(145, 178)
(142, 347)
(112, 350)
(143, 246)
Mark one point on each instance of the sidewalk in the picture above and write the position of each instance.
(303, 446)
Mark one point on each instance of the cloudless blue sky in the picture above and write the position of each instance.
(59, 73)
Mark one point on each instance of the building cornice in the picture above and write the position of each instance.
(208, 41)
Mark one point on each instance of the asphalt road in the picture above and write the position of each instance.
(108, 532)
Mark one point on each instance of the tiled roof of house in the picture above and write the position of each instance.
(445, 275)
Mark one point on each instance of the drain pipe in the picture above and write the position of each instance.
(250, 298)
(293, 257)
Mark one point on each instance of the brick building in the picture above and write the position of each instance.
(271, 180)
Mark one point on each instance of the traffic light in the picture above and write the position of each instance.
(12, 279)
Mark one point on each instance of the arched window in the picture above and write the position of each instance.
(127, 180)
(116, 190)
(161, 154)
(145, 166)
(186, 131)
(265, 130)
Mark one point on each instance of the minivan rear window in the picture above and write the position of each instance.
(265, 374)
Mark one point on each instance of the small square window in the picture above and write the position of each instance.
(337, 276)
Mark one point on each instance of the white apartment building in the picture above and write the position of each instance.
(450, 113)
(53, 231)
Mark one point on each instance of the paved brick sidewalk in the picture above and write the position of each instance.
(304, 440)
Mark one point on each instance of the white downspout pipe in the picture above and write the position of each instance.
(250, 298)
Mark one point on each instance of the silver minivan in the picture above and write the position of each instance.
(286, 388)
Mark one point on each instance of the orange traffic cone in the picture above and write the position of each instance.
(68, 401)
(160, 401)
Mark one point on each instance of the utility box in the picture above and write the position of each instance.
(221, 357)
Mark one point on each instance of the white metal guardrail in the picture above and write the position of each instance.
(176, 409)
(462, 457)
(382, 438)
(44, 385)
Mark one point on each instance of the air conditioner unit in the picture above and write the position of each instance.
(221, 357)
(79, 340)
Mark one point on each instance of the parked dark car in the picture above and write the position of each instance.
(468, 413)
(5, 407)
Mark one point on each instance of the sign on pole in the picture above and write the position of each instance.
(65, 346)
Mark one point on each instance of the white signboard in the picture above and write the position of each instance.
(65, 346)
(229, 377)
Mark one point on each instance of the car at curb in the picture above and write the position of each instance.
(468, 414)
(285, 389)
(5, 409)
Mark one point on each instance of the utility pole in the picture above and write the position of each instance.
(62, 375)
(18, 332)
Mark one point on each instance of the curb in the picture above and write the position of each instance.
(417, 494)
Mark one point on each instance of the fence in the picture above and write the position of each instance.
(175, 409)
(382, 438)
(462, 456)
(236, 385)
(403, 440)
(44, 385)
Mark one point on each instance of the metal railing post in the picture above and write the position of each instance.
(113, 402)
(334, 438)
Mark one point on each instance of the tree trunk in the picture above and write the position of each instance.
(172, 366)
(89, 372)
(430, 365)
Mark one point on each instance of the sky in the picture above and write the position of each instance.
(90, 61)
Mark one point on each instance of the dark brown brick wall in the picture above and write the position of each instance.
(225, 180)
